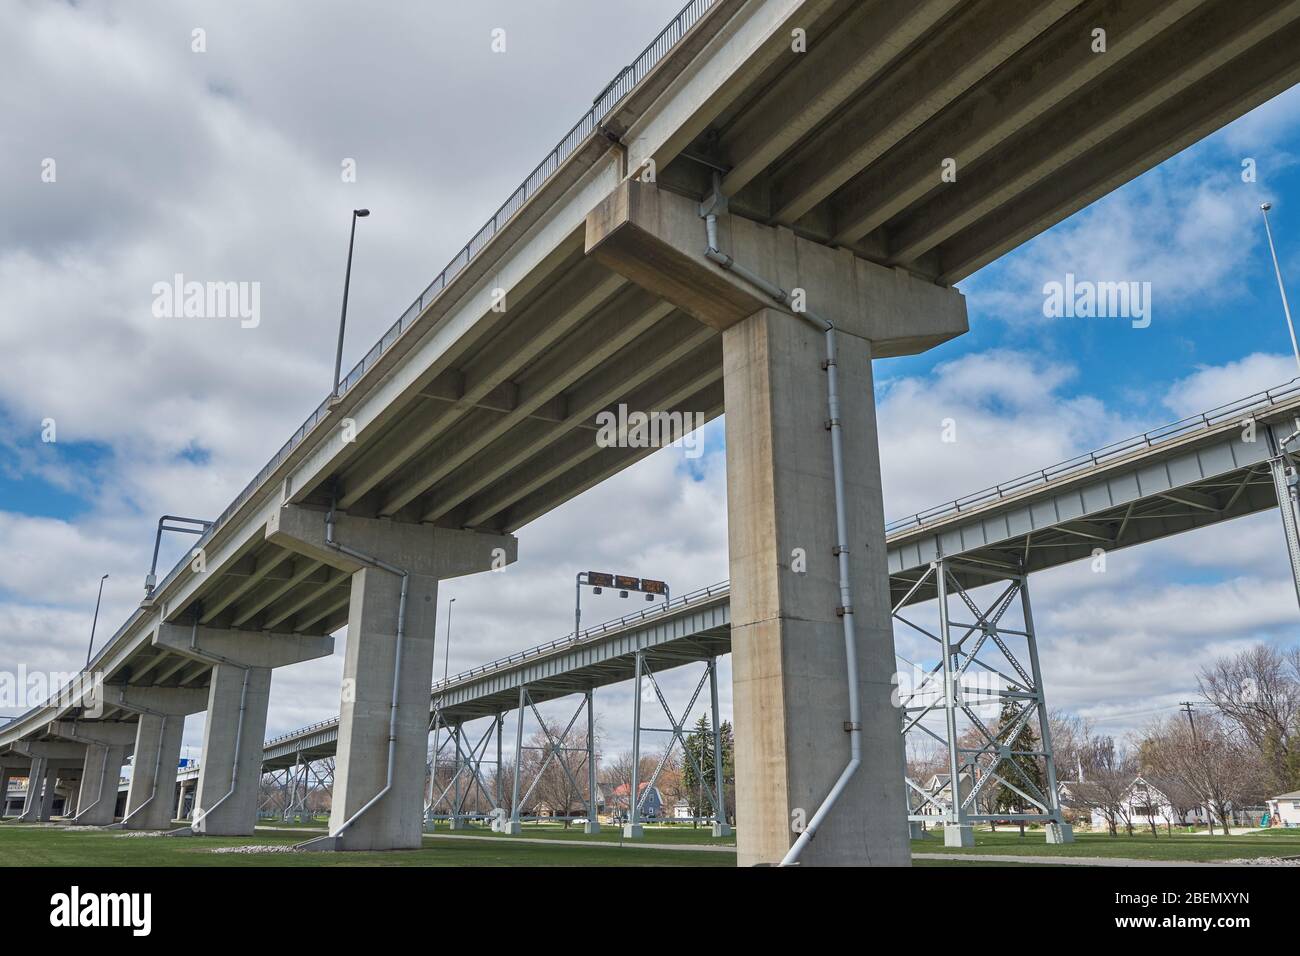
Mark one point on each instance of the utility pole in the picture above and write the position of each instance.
(1187, 706)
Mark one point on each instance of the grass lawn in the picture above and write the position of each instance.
(55, 846)
(1140, 846)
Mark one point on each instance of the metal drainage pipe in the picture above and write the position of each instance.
(841, 549)
(397, 661)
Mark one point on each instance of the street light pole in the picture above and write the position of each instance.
(95, 621)
(1277, 270)
(446, 653)
(343, 317)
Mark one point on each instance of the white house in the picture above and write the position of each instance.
(1284, 810)
(1146, 801)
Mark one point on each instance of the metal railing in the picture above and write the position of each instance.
(598, 630)
(1108, 453)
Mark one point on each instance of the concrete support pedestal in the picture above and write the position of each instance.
(632, 831)
(1060, 833)
(790, 690)
(230, 772)
(380, 771)
(97, 797)
(35, 784)
(721, 830)
(788, 658)
(915, 830)
(151, 797)
(958, 834)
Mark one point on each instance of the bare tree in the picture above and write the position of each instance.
(1209, 759)
(1258, 690)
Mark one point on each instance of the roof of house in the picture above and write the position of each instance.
(1293, 795)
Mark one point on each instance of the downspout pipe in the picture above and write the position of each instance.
(853, 725)
(397, 661)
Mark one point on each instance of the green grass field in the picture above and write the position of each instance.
(1140, 846)
(54, 846)
(22, 845)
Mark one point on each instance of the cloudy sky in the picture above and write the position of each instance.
(226, 163)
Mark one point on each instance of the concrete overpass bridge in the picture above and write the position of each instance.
(1199, 471)
(765, 170)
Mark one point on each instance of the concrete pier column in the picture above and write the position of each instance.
(97, 796)
(47, 793)
(5, 776)
(231, 769)
(150, 798)
(239, 689)
(362, 769)
(790, 690)
(788, 654)
(35, 784)
(379, 773)
(104, 746)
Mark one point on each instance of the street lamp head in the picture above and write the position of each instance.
(361, 213)
(1266, 206)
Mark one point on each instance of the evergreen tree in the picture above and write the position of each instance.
(1025, 740)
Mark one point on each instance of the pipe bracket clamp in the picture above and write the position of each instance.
(841, 611)
(850, 726)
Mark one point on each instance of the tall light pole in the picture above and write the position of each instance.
(446, 653)
(343, 317)
(1281, 287)
(95, 621)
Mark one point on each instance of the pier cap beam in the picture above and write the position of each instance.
(417, 548)
(657, 239)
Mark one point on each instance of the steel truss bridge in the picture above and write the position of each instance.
(1225, 463)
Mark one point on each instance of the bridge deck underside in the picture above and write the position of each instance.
(848, 142)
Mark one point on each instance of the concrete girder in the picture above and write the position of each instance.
(804, 95)
(627, 316)
(605, 463)
(264, 566)
(658, 239)
(668, 393)
(325, 614)
(1052, 67)
(305, 571)
(536, 327)
(1180, 57)
(962, 51)
(1256, 76)
(331, 580)
(655, 352)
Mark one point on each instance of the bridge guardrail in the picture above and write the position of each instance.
(1080, 463)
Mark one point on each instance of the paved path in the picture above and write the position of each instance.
(1055, 860)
